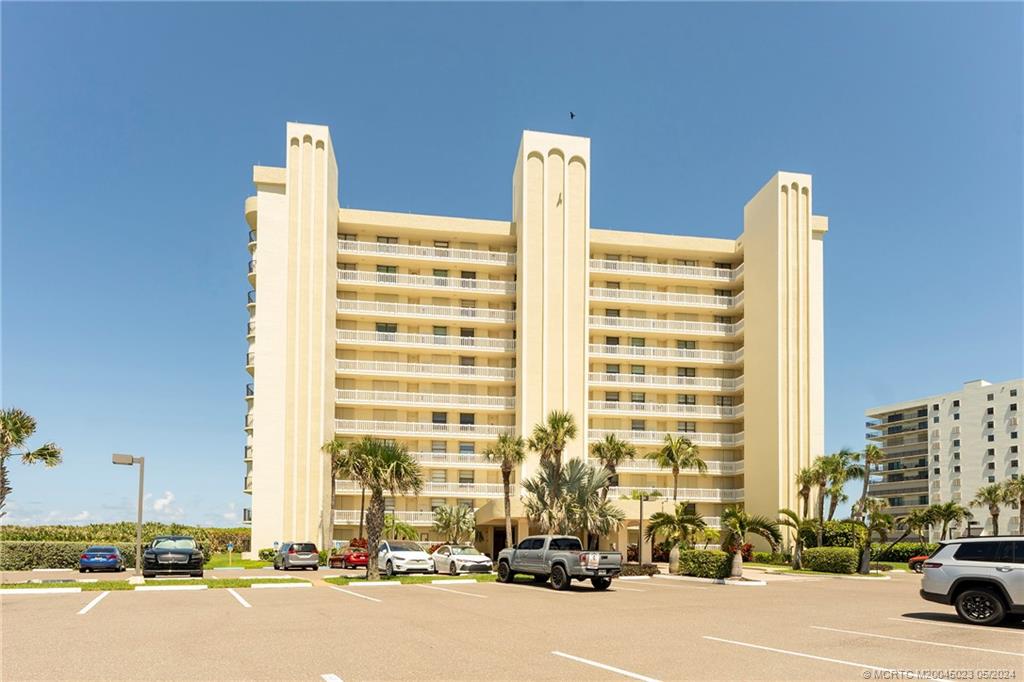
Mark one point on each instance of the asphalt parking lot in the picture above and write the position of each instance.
(653, 629)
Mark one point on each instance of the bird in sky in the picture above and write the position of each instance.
(572, 115)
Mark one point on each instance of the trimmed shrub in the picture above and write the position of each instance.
(836, 534)
(901, 551)
(831, 559)
(705, 563)
(212, 539)
(880, 567)
(637, 569)
(769, 558)
(267, 554)
(24, 556)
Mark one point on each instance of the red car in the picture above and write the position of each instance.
(916, 563)
(351, 557)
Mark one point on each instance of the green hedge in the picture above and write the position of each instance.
(638, 569)
(705, 563)
(831, 559)
(836, 534)
(901, 551)
(769, 558)
(24, 556)
(212, 539)
(267, 554)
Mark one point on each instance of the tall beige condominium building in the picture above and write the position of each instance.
(443, 332)
(942, 448)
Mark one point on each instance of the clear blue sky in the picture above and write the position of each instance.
(129, 132)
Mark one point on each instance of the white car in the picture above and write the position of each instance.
(455, 559)
(402, 556)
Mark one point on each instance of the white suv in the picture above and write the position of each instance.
(403, 556)
(982, 577)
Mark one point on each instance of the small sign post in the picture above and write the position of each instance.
(231, 546)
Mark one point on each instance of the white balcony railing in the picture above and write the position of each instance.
(350, 517)
(657, 437)
(431, 488)
(371, 427)
(442, 312)
(461, 285)
(688, 494)
(447, 400)
(455, 459)
(643, 324)
(665, 353)
(428, 253)
(416, 369)
(645, 296)
(667, 409)
(476, 343)
(665, 270)
(667, 381)
(641, 465)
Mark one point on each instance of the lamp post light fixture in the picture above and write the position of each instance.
(129, 460)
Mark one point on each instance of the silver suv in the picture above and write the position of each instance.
(982, 577)
(296, 555)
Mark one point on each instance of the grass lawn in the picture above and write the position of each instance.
(220, 560)
(104, 585)
(418, 579)
(786, 569)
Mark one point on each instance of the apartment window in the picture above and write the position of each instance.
(935, 420)
(686, 427)
(686, 399)
(637, 370)
(389, 505)
(1013, 393)
(441, 244)
(956, 469)
(637, 341)
(956, 456)
(991, 479)
(724, 400)
(467, 418)
(613, 256)
(436, 503)
(636, 425)
(638, 259)
(723, 319)
(347, 267)
(936, 470)
(990, 410)
(438, 446)
(990, 425)
(935, 406)
(991, 438)
(468, 274)
(467, 449)
(688, 263)
(686, 371)
(440, 331)
(956, 416)
(723, 266)
(935, 458)
(439, 417)
(440, 273)
(1013, 407)
(388, 269)
(613, 285)
(466, 504)
(611, 340)
(437, 476)
(723, 292)
(466, 477)
(1014, 463)
(611, 369)
(956, 403)
(467, 304)
(637, 397)
(386, 327)
(347, 237)
(956, 442)
(467, 361)
(387, 240)
(467, 332)
(1013, 449)
(611, 396)
(1013, 434)
(612, 312)
(991, 465)
(991, 397)
(686, 345)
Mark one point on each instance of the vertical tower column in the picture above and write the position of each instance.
(551, 213)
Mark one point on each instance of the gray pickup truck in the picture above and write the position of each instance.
(560, 558)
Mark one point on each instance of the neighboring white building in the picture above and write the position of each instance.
(944, 447)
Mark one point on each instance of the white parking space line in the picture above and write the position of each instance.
(354, 594)
(862, 666)
(330, 677)
(976, 628)
(169, 588)
(602, 666)
(459, 581)
(93, 603)
(920, 641)
(239, 598)
(444, 589)
(278, 586)
(40, 590)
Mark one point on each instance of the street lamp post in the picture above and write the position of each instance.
(128, 460)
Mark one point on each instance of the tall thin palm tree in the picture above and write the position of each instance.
(549, 440)
(1015, 493)
(679, 527)
(736, 525)
(387, 467)
(871, 456)
(821, 470)
(611, 452)
(806, 479)
(799, 526)
(676, 454)
(347, 460)
(875, 521)
(991, 496)
(16, 428)
(842, 467)
(509, 451)
(947, 513)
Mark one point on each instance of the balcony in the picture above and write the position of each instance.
(616, 267)
(427, 253)
(666, 381)
(724, 440)
(423, 370)
(433, 489)
(666, 409)
(251, 300)
(453, 285)
(250, 359)
(442, 400)
(469, 460)
(250, 392)
(247, 453)
(667, 354)
(475, 343)
(643, 324)
(252, 266)
(252, 238)
(687, 494)
(647, 297)
(350, 517)
(248, 421)
(717, 468)
(247, 484)
(434, 312)
(250, 329)
(426, 429)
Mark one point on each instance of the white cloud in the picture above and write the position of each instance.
(163, 503)
(166, 509)
(231, 514)
(81, 516)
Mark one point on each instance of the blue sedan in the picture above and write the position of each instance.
(101, 558)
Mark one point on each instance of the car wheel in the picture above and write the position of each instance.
(560, 579)
(917, 567)
(389, 569)
(316, 568)
(146, 574)
(81, 570)
(980, 606)
(196, 574)
(601, 583)
(453, 569)
(505, 574)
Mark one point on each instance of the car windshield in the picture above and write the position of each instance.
(174, 543)
(397, 546)
(465, 550)
(100, 550)
(304, 547)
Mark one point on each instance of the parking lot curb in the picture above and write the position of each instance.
(169, 588)
(41, 590)
(51, 570)
(267, 586)
(634, 577)
(715, 581)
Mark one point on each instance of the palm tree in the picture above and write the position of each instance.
(678, 453)
(393, 529)
(454, 523)
(736, 525)
(549, 440)
(820, 471)
(16, 428)
(611, 452)
(991, 496)
(678, 527)
(799, 526)
(579, 507)
(1014, 488)
(386, 466)
(877, 523)
(806, 479)
(510, 451)
(841, 468)
(917, 521)
(708, 536)
(871, 456)
(947, 513)
(346, 462)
